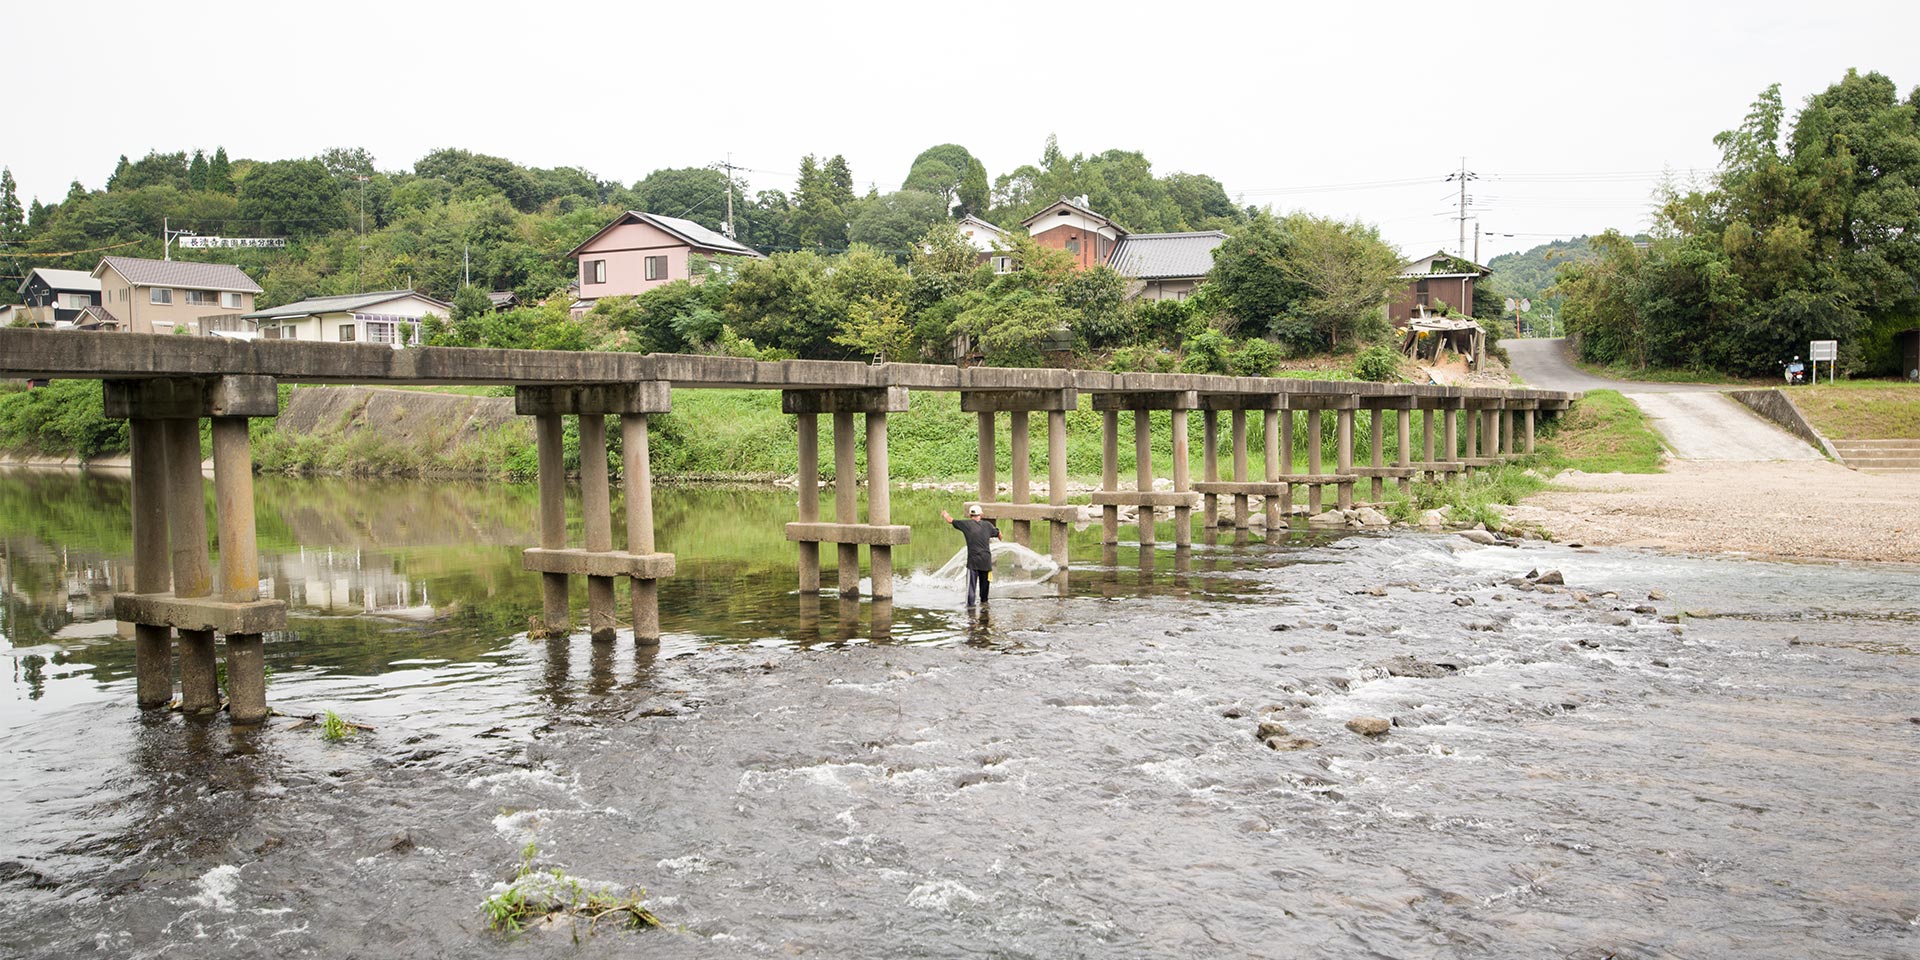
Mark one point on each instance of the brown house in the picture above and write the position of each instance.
(1070, 226)
(165, 296)
(1441, 279)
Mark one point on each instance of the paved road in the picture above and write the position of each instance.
(1698, 423)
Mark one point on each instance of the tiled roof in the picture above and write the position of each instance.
(1164, 256)
(339, 303)
(96, 315)
(503, 298)
(180, 273)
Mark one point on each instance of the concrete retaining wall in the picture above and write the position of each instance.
(1778, 407)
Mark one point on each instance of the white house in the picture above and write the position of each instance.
(389, 316)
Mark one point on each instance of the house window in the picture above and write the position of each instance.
(1002, 264)
(1420, 294)
(1073, 246)
(346, 333)
(595, 271)
(656, 268)
(230, 300)
(201, 297)
(159, 295)
(74, 301)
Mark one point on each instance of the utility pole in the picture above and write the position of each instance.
(359, 285)
(466, 265)
(728, 166)
(1463, 176)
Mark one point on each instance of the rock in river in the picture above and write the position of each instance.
(1369, 726)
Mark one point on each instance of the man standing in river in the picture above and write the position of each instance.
(980, 534)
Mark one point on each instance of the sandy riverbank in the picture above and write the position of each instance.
(1791, 510)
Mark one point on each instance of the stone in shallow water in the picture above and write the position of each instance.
(1369, 726)
(1550, 577)
(1270, 729)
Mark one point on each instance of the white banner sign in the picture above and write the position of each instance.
(198, 243)
(1823, 350)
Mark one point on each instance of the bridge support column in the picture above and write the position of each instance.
(1528, 446)
(1110, 474)
(1426, 440)
(1506, 431)
(1286, 458)
(1143, 497)
(1210, 466)
(643, 594)
(1058, 529)
(548, 444)
(1242, 511)
(153, 643)
(597, 560)
(1279, 497)
(808, 430)
(1343, 424)
(170, 491)
(847, 534)
(1376, 457)
(1182, 478)
(1313, 460)
(1472, 450)
(1022, 467)
(239, 566)
(1403, 450)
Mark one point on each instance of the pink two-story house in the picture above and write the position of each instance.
(640, 251)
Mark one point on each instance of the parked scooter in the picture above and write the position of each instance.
(1796, 371)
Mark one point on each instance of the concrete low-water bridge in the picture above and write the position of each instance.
(164, 385)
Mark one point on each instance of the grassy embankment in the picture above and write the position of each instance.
(1861, 409)
(1622, 371)
(741, 434)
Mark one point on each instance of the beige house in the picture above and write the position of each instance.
(640, 251)
(166, 296)
(389, 316)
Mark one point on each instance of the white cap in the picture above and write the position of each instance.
(973, 511)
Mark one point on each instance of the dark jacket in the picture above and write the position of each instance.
(979, 533)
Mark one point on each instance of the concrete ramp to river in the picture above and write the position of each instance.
(1698, 421)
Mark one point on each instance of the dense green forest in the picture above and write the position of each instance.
(849, 275)
(1808, 231)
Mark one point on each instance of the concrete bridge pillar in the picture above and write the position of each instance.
(1022, 512)
(1110, 474)
(597, 560)
(1383, 408)
(1472, 451)
(1209, 467)
(170, 491)
(1110, 498)
(1403, 449)
(1272, 487)
(1506, 430)
(1426, 440)
(1528, 446)
(1343, 428)
(1279, 496)
(879, 534)
(1313, 459)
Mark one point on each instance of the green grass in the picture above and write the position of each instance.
(534, 895)
(1861, 409)
(1603, 433)
(1620, 371)
(334, 727)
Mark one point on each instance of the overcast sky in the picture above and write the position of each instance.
(1568, 113)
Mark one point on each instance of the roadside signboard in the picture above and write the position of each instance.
(1818, 350)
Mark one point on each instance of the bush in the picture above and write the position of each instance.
(1378, 363)
(1142, 359)
(1254, 358)
(1206, 352)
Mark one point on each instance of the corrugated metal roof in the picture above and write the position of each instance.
(180, 273)
(1165, 256)
(339, 303)
(65, 279)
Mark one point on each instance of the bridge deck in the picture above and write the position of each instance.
(57, 354)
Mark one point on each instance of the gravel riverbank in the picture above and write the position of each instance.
(1790, 510)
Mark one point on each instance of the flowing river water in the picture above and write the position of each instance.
(1566, 775)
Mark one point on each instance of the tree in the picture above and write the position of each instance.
(1346, 272)
(891, 223)
(820, 201)
(13, 222)
(197, 171)
(220, 172)
(693, 193)
(949, 172)
(297, 196)
(1245, 273)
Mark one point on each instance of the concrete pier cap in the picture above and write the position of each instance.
(594, 399)
(191, 398)
(844, 400)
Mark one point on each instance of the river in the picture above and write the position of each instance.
(1566, 775)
